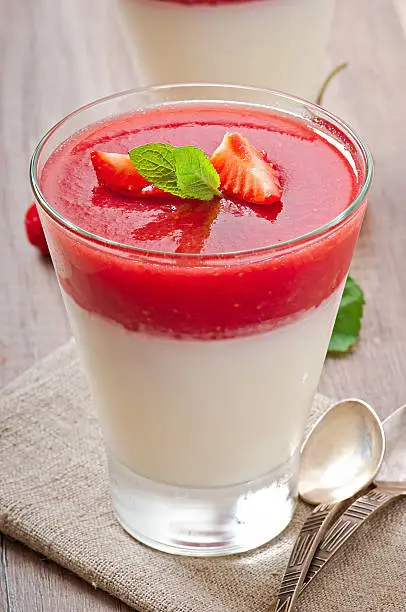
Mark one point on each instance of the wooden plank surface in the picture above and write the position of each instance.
(57, 55)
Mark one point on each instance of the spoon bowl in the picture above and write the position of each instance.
(342, 454)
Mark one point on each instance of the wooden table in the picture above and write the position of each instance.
(59, 54)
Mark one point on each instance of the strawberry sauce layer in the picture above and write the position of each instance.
(193, 290)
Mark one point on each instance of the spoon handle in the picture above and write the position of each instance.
(310, 536)
(349, 522)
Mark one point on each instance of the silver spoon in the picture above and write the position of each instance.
(341, 456)
(390, 484)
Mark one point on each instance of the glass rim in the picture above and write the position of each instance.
(298, 240)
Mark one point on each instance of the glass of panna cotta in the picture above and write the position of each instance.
(278, 44)
(203, 325)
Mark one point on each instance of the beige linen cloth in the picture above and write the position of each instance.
(54, 498)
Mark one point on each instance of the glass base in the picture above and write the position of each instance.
(204, 522)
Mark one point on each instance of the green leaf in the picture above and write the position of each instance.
(348, 322)
(183, 171)
(156, 163)
(196, 176)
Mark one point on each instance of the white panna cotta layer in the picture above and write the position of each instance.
(276, 44)
(204, 413)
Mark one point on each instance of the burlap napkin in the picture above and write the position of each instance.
(54, 498)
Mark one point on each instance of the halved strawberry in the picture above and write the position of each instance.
(244, 173)
(117, 172)
(34, 230)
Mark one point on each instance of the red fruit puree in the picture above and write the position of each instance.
(187, 292)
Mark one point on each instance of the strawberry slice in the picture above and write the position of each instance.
(33, 228)
(117, 172)
(244, 171)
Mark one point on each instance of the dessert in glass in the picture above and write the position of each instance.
(203, 325)
(278, 44)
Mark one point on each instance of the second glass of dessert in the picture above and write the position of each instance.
(277, 44)
(202, 274)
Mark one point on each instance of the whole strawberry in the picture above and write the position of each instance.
(34, 230)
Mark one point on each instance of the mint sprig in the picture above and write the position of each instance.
(156, 163)
(348, 322)
(183, 171)
(195, 174)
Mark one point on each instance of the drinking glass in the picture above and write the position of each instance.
(277, 44)
(203, 431)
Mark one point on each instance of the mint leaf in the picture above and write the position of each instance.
(348, 322)
(196, 176)
(156, 163)
(183, 171)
